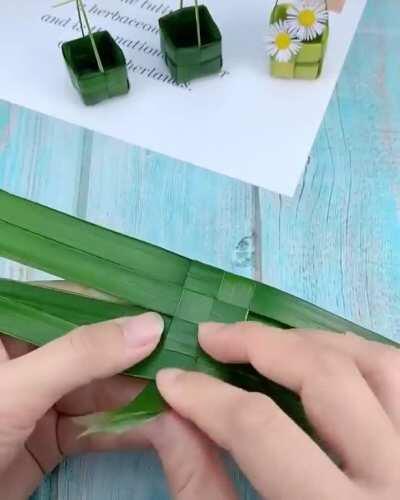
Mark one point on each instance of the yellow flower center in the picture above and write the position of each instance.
(283, 41)
(307, 18)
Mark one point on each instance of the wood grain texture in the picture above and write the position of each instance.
(336, 243)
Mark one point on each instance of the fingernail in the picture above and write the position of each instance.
(206, 329)
(169, 376)
(141, 331)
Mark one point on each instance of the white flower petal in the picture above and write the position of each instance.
(307, 33)
(273, 50)
(284, 55)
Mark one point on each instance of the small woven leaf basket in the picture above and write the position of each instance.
(191, 43)
(96, 64)
(307, 62)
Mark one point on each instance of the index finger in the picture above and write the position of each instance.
(266, 444)
(335, 395)
(3, 352)
(86, 354)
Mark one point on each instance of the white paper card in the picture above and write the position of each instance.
(242, 123)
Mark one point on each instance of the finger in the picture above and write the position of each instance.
(3, 351)
(12, 487)
(86, 354)
(15, 348)
(31, 384)
(264, 441)
(194, 468)
(378, 363)
(100, 395)
(192, 465)
(185, 474)
(335, 395)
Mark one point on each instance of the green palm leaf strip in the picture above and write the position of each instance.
(185, 292)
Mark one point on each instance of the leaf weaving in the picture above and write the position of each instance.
(185, 292)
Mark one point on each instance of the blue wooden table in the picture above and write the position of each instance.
(336, 243)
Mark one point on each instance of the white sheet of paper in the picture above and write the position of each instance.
(244, 124)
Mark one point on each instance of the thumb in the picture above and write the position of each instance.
(31, 384)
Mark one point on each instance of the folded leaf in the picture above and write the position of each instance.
(147, 406)
(72, 307)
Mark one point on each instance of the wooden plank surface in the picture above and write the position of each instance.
(336, 243)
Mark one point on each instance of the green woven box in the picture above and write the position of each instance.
(93, 85)
(185, 57)
(307, 64)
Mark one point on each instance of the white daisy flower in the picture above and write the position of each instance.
(281, 44)
(307, 19)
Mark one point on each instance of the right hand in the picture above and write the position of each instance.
(350, 389)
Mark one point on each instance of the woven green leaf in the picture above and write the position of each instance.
(149, 278)
(95, 85)
(95, 62)
(90, 255)
(29, 324)
(308, 63)
(71, 307)
(35, 315)
(187, 56)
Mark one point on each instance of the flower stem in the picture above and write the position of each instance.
(82, 10)
(196, 8)
(80, 19)
(198, 27)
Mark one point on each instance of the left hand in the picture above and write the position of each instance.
(42, 390)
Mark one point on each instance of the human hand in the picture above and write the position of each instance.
(350, 390)
(42, 390)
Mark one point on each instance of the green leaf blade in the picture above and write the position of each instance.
(147, 406)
